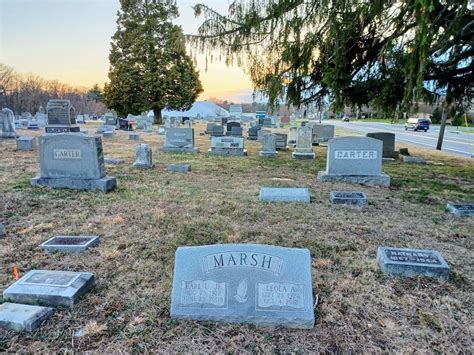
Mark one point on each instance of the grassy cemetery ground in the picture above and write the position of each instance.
(153, 212)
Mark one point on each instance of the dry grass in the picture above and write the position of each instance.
(153, 212)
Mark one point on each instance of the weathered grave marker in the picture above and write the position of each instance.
(269, 146)
(413, 160)
(284, 194)
(179, 140)
(7, 126)
(25, 143)
(134, 136)
(247, 283)
(22, 317)
(143, 157)
(304, 147)
(388, 140)
(348, 198)
(461, 209)
(70, 244)
(227, 146)
(179, 168)
(61, 117)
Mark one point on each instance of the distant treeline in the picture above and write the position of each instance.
(26, 93)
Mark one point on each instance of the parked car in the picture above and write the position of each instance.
(418, 124)
(345, 118)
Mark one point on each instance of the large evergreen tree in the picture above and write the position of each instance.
(149, 67)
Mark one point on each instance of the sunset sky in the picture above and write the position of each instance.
(69, 40)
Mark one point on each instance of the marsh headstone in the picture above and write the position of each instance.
(143, 157)
(26, 143)
(461, 209)
(244, 283)
(22, 317)
(227, 146)
(269, 146)
(61, 117)
(70, 244)
(354, 160)
(7, 119)
(304, 146)
(284, 194)
(72, 161)
(179, 140)
(412, 262)
(49, 288)
(388, 140)
(348, 198)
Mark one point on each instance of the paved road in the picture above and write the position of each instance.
(454, 143)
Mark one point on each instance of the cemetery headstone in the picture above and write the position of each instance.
(267, 122)
(179, 168)
(245, 283)
(143, 157)
(41, 119)
(105, 128)
(217, 131)
(134, 136)
(7, 119)
(355, 160)
(281, 139)
(461, 209)
(322, 133)
(236, 132)
(61, 117)
(348, 198)
(179, 140)
(110, 119)
(412, 262)
(292, 134)
(22, 317)
(413, 160)
(26, 143)
(269, 146)
(253, 133)
(108, 134)
(388, 140)
(227, 146)
(304, 147)
(230, 125)
(261, 133)
(49, 288)
(403, 151)
(209, 128)
(70, 244)
(284, 194)
(73, 161)
(80, 119)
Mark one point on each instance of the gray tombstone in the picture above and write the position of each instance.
(348, 198)
(134, 136)
(72, 161)
(413, 160)
(412, 262)
(227, 146)
(110, 119)
(49, 288)
(143, 157)
(261, 133)
(41, 119)
(253, 133)
(179, 140)
(70, 244)
(22, 317)
(355, 160)
(105, 128)
(209, 128)
(304, 146)
(236, 131)
(281, 140)
(217, 131)
(388, 140)
(269, 146)
(244, 283)
(7, 119)
(26, 143)
(284, 194)
(461, 209)
(292, 134)
(61, 117)
(322, 132)
(179, 168)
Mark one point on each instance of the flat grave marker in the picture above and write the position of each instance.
(22, 317)
(179, 168)
(412, 262)
(70, 244)
(413, 160)
(348, 198)
(26, 143)
(461, 209)
(244, 283)
(284, 194)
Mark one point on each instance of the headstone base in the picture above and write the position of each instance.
(228, 152)
(268, 154)
(61, 129)
(21, 317)
(105, 184)
(179, 150)
(297, 155)
(382, 180)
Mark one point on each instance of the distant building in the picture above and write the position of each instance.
(235, 111)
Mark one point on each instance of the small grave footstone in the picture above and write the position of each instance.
(269, 146)
(412, 262)
(143, 157)
(284, 194)
(108, 134)
(348, 198)
(70, 244)
(22, 317)
(179, 168)
(26, 143)
(114, 161)
(414, 160)
(49, 288)
(133, 136)
(461, 209)
(244, 283)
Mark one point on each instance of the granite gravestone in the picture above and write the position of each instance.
(461, 209)
(110, 119)
(280, 142)
(108, 134)
(236, 132)
(253, 133)
(133, 136)
(354, 160)
(49, 288)
(348, 198)
(245, 283)
(179, 140)
(209, 128)
(322, 133)
(41, 119)
(70, 244)
(179, 168)
(7, 119)
(227, 146)
(388, 140)
(61, 117)
(143, 157)
(292, 134)
(261, 133)
(26, 143)
(413, 160)
(269, 146)
(304, 147)
(22, 317)
(217, 131)
(72, 161)
(412, 262)
(230, 125)
(284, 194)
